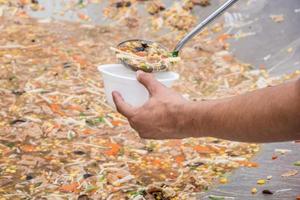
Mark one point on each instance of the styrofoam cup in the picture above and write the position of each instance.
(116, 77)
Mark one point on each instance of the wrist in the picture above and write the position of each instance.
(198, 119)
(189, 119)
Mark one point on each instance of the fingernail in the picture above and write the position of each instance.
(114, 93)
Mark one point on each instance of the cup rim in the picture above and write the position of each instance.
(173, 75)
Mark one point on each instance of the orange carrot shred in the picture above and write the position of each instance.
(56, 109)
(179, 159)
(28, 148)
(116, 123)
(73, 187)
(79, 60)
(224, 37)
(202, 149)
(248, 164)
(88, 131)
(114, 149)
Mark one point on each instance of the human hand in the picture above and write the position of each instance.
(161, 117)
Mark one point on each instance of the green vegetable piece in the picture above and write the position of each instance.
(90, 188)
(297, 163)
(9, 144)
(102, 178)
(137, 193)
(214, 197)
(175, 54)
(99, 120)
(82, 115)
(143, 66)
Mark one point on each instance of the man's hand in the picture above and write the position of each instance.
(161, 116)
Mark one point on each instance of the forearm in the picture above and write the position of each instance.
(266, 115)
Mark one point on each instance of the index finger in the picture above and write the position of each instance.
(122, 107)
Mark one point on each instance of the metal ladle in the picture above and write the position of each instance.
(184, 40)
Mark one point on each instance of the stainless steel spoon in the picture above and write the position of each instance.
(183, 41)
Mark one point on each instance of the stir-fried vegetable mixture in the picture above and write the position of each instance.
(60, 140)
(144, 55)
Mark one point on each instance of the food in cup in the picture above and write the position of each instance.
(146, 56)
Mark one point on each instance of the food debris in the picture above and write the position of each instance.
(154, 7)
(215, 197)
(289, 173)
(267, 192)
(269, 177)
(223, 180)
(297, 163)
(261, 181)
(253, 190)
(277, 18)
(290, 50)
(283, 151)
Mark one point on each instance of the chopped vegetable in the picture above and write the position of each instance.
(73, 187)
(297, 163)
(261, 181)
(253, 190)
(146, 56)
(292, 172)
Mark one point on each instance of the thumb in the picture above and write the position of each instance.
(150, 83)
(122, 107)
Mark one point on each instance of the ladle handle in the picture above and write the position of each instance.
(205, 22)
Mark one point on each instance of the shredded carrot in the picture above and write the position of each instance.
(73, 187)
(88, 131)
(116, 123)
(56, 108)
(156, 162)
(83, 16)
(28, 148)
(54, 98)
(179, 159)
(114, 149)
(228, 58)
(79, 60)
(248, 163)
(49, 158)
(141, 53)
(224, 37)
(24, 2)
(56, 126)
(202, 149)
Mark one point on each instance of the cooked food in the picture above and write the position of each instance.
(145, 55)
